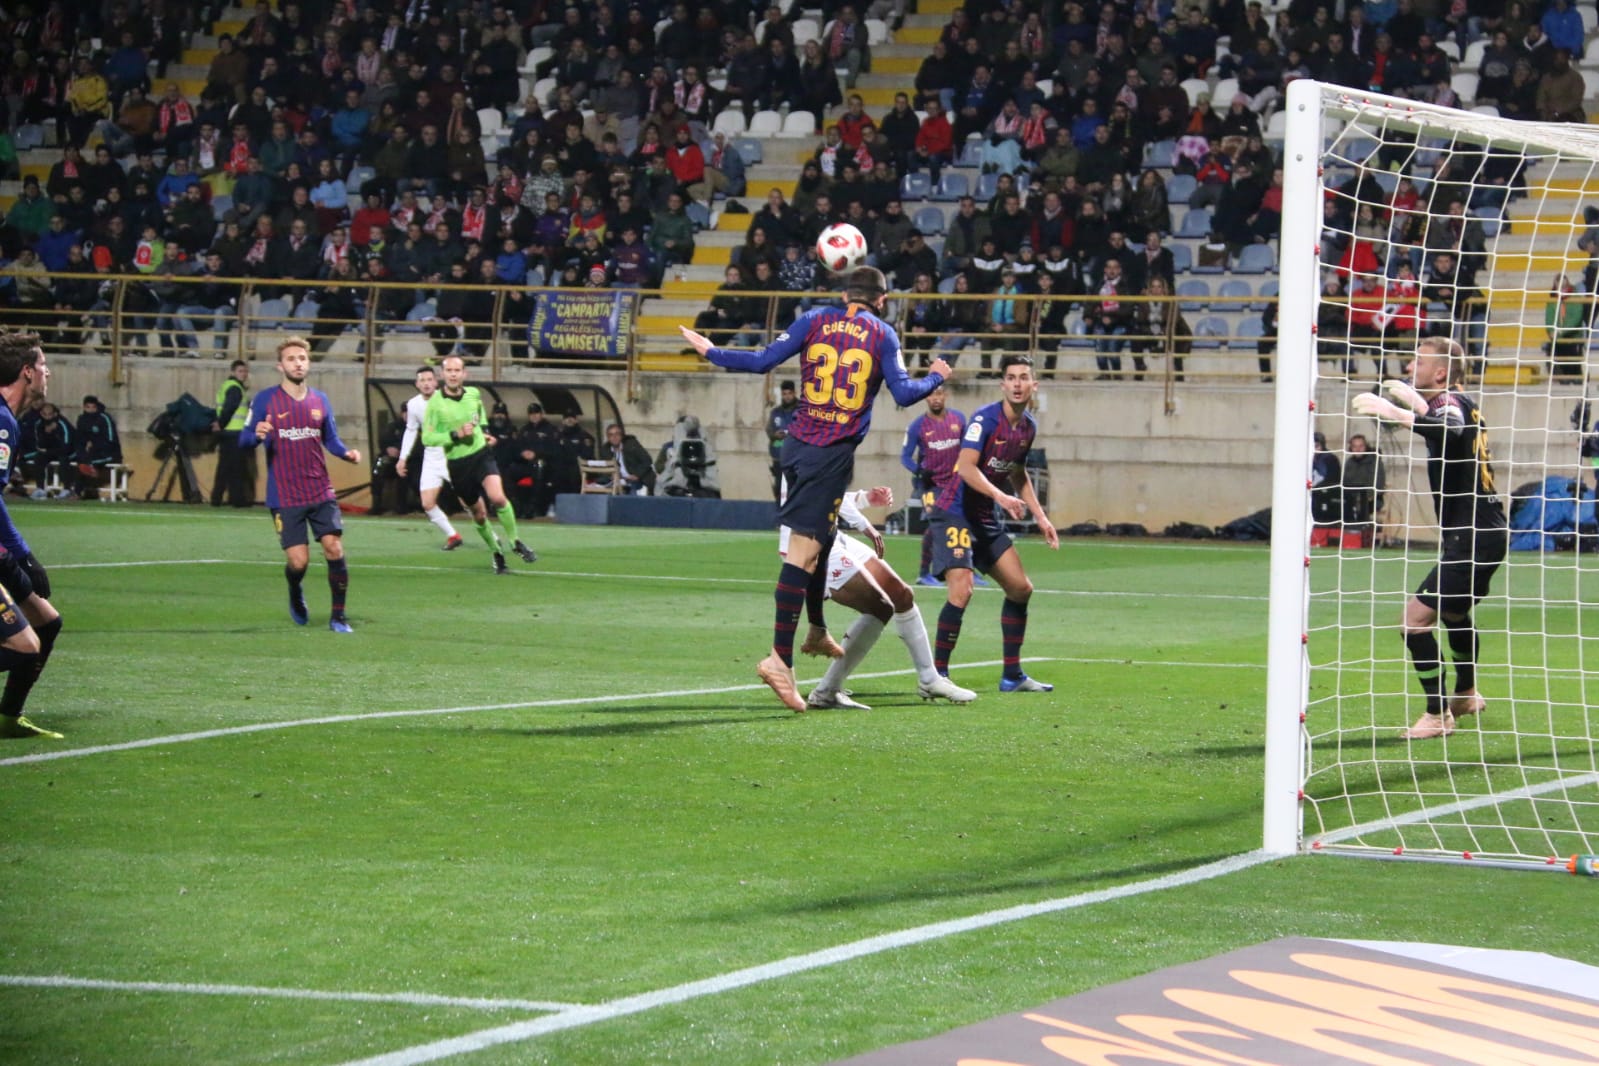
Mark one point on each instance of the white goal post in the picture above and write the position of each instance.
(1385, 200)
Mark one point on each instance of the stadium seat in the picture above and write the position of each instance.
(1251, 329)
(987, 186)
(29, 136)
(491, 121)
(970, 153)
(359, 176)
(1465, 86)
(535, 56)
(698, 214)
(805, 30)
(876, 32)
(1255, 259)
(1387, 180)
(1210, 332)
(1277, 126)
(1195, 294)
(952, 186)
(1182, 258)
(799, 124)
(272, 314)
(306, 310)
(1160, 154)
(1485, 109)
(1268, 291)
(544, 88)
(1179, 187)
(930, 220)
(221, 205)
(1590, 55)
(1195, 223)
(1221, 98)
(915, 187)
(717, 82)
(749, 150)
(1590, 18)
(1045, 86)
(1194, 87)
(1235, 289)
(1474, 53)
(766, 124)
(1492, 221)
(1450, 49)
(730, 122)
(947, 286)
(1590, 79)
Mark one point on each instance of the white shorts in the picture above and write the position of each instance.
(848, 558)
(435, 472)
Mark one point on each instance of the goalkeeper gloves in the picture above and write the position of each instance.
(1405, 396)
(1374, 406)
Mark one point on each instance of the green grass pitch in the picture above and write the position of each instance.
(617, 807)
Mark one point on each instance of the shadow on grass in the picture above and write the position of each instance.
(974, 886)
(622, 729)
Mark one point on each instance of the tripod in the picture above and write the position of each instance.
(175, 465)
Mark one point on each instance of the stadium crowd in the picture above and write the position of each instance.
(341, 143)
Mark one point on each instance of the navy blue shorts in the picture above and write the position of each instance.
(11, 620)
(817, 479)
(959, 545)
(291, 522)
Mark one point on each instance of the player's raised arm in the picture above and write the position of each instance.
(905, 389)
(788, 344)
(257, 427)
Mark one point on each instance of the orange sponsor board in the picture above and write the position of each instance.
(1294, 1001)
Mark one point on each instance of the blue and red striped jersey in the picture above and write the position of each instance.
(848, 354)
(998, 447)
(932, 444)
(10, 437)
(297, 474)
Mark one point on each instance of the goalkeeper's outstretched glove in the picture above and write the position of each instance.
(1406, 396)
(1375, 406)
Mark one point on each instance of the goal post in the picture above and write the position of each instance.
(1385, 200)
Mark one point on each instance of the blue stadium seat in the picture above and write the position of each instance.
(1197, 293)
(952, 186)
(1235, 288)
(930, 220)
(1255, 259)
(1250, 329)
(1160, 154)
(987, 186)
(1182, 258)
(1491, 219)
(272, 314)
(749, 149)
(1179, 187)
(220, 205)
(699, 214)
(1210, 332)
(1195, 223)
(969, 155)
(1268, 289)
(947, 286)
(915, 187)
(359, 176)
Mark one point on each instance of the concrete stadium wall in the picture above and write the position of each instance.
(1114, 455)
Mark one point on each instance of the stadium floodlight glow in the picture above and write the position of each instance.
(1517, 785)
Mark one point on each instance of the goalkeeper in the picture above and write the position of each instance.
(453, 420)
(1471, 521)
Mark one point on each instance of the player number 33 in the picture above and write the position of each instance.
(839, 378)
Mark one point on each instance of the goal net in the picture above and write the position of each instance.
(1405, 220)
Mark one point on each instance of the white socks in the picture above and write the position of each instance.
(913, 632)
(857, 642)
(437, 516)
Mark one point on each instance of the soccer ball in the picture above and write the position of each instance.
(841, 247)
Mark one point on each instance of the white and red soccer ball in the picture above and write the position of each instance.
(841, 248)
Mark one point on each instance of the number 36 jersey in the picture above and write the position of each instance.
(846, 356)
(998, 448)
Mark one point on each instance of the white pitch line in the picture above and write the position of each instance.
(415, 999)
(1086, 593)
(795, 964)
(368, 716)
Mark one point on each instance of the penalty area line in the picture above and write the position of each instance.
(414, 999)
(578, 1017)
